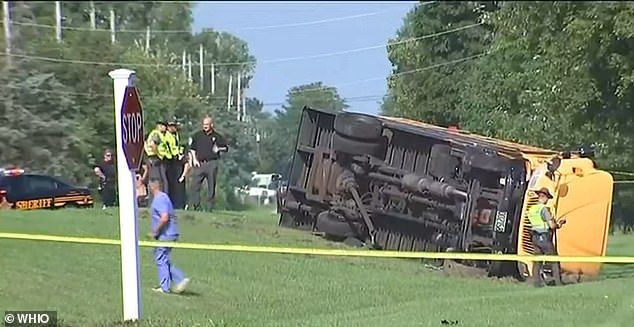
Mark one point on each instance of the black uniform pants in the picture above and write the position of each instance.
(108, 193)
(158, 171)
(176, 188)
(207, 170)
(543, 244)
(181, 191)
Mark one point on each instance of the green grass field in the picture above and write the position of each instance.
(83, 282)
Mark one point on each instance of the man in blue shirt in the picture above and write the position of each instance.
(165, 228)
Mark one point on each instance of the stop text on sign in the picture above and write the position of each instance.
(132, 126)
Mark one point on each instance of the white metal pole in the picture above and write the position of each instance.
(229, 93)
(184, 63)
(58, 20)
(244, 103)
(238, 95)
(93, 19)
(128, 210)
(113, 37)
(201, 55)
(213, 79)
(189, 68)
(7, 29)
(148, 35)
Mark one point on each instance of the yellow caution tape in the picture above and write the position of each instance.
(330, 252)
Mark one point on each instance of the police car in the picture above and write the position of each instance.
(20, 190)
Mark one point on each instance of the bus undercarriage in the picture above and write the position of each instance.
(395, 186)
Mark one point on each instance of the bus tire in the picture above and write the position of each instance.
(358, 126)
(355, 147)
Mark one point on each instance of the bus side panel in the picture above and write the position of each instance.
(585, 202)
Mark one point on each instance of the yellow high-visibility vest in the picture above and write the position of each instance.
(148, 143)
(181, 149)
(163, 149)
(175, 147)
(535, 218)
(168, 141)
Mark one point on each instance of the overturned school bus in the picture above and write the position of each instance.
(404, 185)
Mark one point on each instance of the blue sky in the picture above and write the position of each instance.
(317, 28)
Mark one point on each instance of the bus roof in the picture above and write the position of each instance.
(465, 137)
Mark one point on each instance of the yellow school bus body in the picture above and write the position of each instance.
(581, 193)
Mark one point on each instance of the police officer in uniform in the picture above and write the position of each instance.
(543, 226)
(175, 167)
(107, 173)
(158, 153)
(206, 146)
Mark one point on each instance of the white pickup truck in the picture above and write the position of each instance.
(263, 187)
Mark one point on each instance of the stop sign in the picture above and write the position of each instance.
(132, 127)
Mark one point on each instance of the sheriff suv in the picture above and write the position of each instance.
(20, 190)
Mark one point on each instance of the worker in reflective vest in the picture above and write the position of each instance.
(542, 225)
(158, 154)
(176, 189)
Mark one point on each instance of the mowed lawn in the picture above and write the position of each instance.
(83, 282)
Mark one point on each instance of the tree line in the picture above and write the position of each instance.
(552, 74)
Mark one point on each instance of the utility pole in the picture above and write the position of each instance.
(229, 93)
(93, 19)
(184, 63)
(6, 15)
(189, 73)
(147, 39)
(58, 20)
(213, 79)
(238, 107)
(257, 142)
(244, 104)
(113, 37)
(202, 69)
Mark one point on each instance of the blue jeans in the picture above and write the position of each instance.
(166, 271)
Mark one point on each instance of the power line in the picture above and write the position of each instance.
(412, 71)
(322, 21)
(88, 29)
(252, 28)
(270, 61)
(87, 62)
(361, 81)
(363, 98)
(374, 47)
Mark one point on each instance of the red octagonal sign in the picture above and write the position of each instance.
(132, 127)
